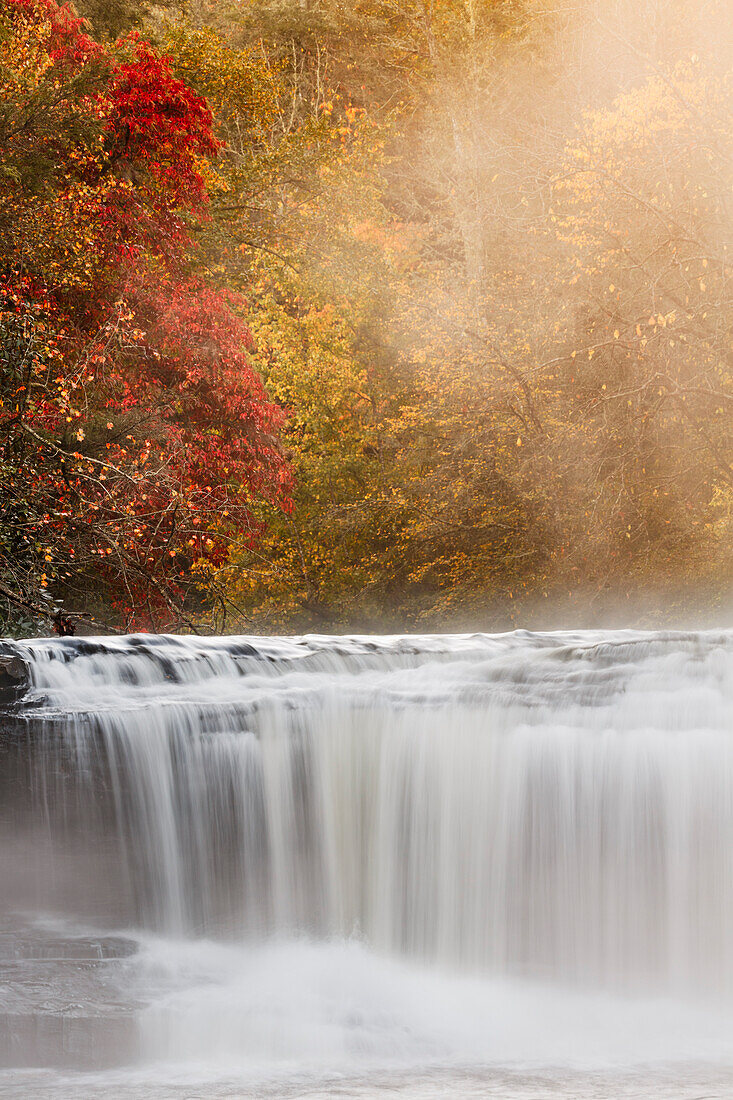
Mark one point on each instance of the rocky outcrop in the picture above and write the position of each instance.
(14, 676)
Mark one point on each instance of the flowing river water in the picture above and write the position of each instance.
(415, 867)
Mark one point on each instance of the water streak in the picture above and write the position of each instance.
(554, 806)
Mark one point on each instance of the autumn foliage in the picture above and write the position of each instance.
(506, 346)
(134, 433)
(386, 315)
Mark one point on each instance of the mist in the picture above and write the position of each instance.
(365, 401)
(527, 268)
(393, 316)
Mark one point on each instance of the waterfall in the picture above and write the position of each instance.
(552, 808)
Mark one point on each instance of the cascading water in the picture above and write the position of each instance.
(467, 863)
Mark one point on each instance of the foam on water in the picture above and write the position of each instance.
(331, 859)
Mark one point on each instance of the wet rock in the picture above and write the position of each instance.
(14, 678)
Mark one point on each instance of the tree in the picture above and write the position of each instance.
(641, 205)
(136, 434)
(518, 348)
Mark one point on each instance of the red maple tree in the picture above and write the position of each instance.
(135, 438)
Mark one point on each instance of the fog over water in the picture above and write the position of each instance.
(418, 866)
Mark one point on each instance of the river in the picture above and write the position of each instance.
(415, 867)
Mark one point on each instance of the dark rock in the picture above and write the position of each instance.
(14, 678)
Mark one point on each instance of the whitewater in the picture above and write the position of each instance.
(416, 866)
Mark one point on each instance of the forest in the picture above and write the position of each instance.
(395, 315)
